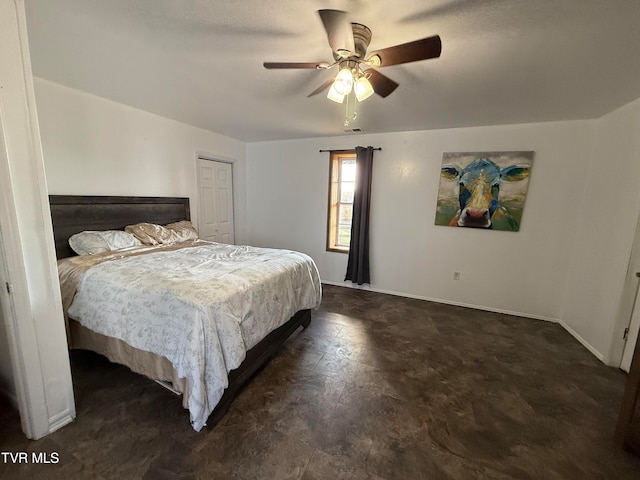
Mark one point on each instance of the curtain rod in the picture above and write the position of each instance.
(345, 149)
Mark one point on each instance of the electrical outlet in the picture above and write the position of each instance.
(456, 275)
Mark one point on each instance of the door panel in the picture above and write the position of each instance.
(629, 309)
(627, 433)
(215, 188)
(632, 335)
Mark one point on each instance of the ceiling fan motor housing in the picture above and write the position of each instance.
(361, 40)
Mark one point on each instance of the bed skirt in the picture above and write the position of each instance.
(159, 368)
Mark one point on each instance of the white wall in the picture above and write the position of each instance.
(521, 272)
(93, 146)
(605, 228)
(564, 264)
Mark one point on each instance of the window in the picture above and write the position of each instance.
(342, 182)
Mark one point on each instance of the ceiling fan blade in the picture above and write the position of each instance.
(322, 87)
(381, 84)
(422, 49)
(339, 30)
(314, 65)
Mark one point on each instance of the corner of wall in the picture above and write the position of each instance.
(593, 296)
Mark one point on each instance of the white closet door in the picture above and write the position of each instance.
(215, 189)
(632, 336)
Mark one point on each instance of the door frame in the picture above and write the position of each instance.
(626, 306)
(36, 335)
(220, 159)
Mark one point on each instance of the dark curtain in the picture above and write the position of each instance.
(358, 263)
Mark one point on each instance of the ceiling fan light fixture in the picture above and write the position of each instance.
(334, 95)
(374, 61)
(363, 88)
(344, 81)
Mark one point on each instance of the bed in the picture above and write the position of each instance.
(200, 315)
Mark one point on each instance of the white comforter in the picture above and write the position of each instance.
(201, 307)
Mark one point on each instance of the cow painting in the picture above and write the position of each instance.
(483, 190)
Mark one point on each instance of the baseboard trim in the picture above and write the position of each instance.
(571, 331)
(584, 343)
(446, 302)
(60, 420)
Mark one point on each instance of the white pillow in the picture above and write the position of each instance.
(91, 242)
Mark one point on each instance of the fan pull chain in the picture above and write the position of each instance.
(346, 111)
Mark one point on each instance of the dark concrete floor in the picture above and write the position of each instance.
(378, 387)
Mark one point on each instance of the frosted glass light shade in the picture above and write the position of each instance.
(363, 89)
(344, 81)
(335, 96)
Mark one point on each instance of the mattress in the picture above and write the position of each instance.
(200, 305)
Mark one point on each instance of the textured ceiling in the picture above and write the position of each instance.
(200, 61)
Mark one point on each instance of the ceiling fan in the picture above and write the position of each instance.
(357, 71)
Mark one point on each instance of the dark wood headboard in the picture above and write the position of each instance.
(75, 213)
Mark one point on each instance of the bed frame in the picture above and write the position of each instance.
(72, 214)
